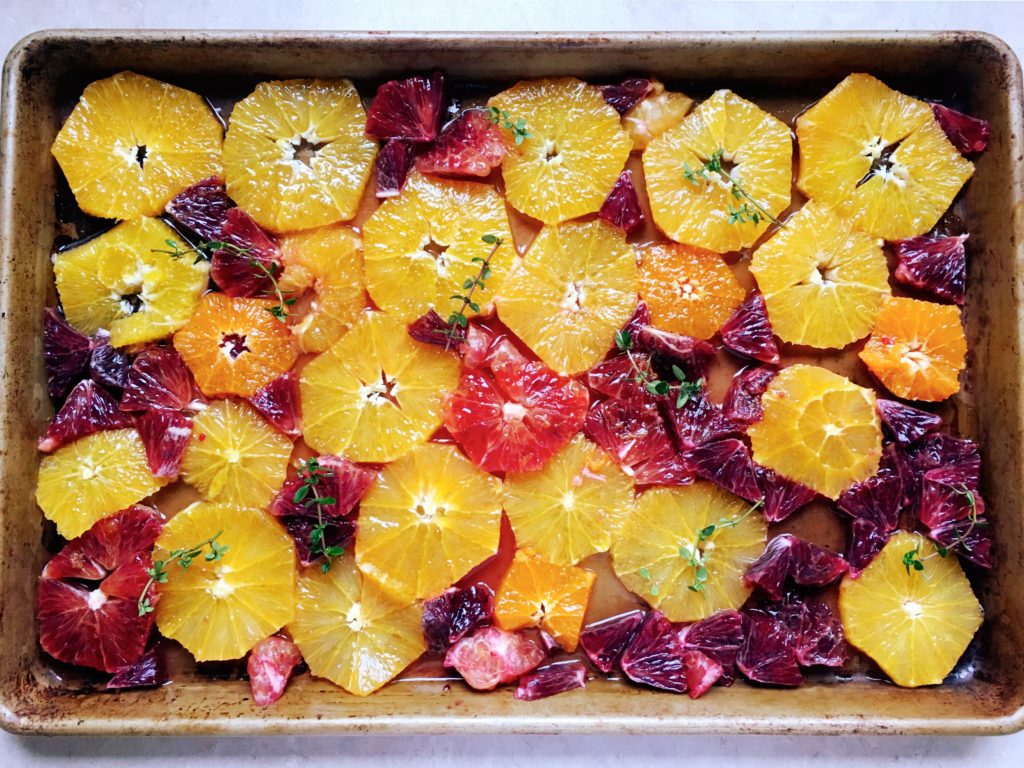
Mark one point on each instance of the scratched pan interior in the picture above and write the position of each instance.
(781, 71)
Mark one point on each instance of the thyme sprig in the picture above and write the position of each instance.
(749, 210)
(695, 555)
(311, 475)
(183, 557)
(502, 118)
(458, 319)
(643, 373)
(912, 557)
(279, 310)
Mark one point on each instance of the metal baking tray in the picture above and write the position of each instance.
(783, 72)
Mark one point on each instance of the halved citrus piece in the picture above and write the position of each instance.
(296, 155)
(234, 456)
(879, 158)
(570, 509)
(126, 281)
(823, 281)
(818, 428)
(688, 290)
(376, 393)
(685, 550)
(235, 346)
(329, 261)
(420, 246)
(574, 288)
(132, 143)
(428, 520)
(574, 152)
(538, 593)
(917, 349)
(916, 623)
(93, 478)
(754, 148)
(220, 607)
(351, 631)
(658, 111)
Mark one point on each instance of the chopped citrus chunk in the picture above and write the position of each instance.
(655, 114)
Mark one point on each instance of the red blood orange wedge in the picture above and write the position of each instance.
(407, 109)
(88, 409)
(470, 145)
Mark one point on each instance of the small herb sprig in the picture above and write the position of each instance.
(694, 556)
(279, 310)
(502, 118)
(644, 375)
(458, 319)
(184, 557)
(311, 475)
(750, 210)
(912, 557)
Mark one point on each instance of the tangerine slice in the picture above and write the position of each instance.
(420, 246)
(219, 609)
(570, 509)
(351, 631)
(688, 290)
(823, 281)
(819, 429)
(536, 592)
(574, 288)
(429, 519)
(234, 346)
(915, 623)
(376, 393)
(661, 548)
(917, 349)
(574, 153)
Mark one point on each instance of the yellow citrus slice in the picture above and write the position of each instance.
(915, 623)
(819, 428)
(665, 555)
(219, 609)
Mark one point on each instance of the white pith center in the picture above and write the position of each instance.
(377, 393)
(915, 358)
(427, 509)
(568, 500)
(574, 297)
(913, 609)
(96, 600)
(512, 410)
(221, 588)
(354, 618)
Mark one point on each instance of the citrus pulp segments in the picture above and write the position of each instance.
(647, 554)
(758, 145)
(822, 280)
(819, 429)
(429, 519)
(914, 624)
(575, 152)
(654, 114)
(376, 393)
(220, 609)
(234, 456)
(917, 349)
(328, 260)
(568, 295)
(123, 280)
(570, 509)
(843, 136)
(538, 593)
(132, 143)
(295, 154)
(92, 478)
(352, 632)
(687, 290)
(405, 276)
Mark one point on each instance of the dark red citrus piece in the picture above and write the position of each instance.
(742, 402)
(517, 415)
(622, 206)
(623, 96)
(968, 134)
(391, 168)
(87, 599)
(407, 109)
(149, 671)
(768, 653)
(941, 450)
(201, 208)
(949, 494)
(278, 402)
(158, 379)
(805, 563)
(905, 423)
(667, 349)
(817, 632)
(867, 538)
(337, 533)
(431, 328)
(240, 268)
(749, 333)
(551, 680)
(165, 436)
(934, 263)
(342, 480)
(880, 497)
(727, 464)
(970, 539)
(66, 353)
(88, 409)
(270, 665)
(455, 613)
(699, 421)
(470, 145)
(719, 636)
(654, 656)
(604, 641)
(616, 378)
(108, 365)
(491, 656)
(702, 672)
(782, 496)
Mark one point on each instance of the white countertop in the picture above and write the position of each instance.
(19, 17)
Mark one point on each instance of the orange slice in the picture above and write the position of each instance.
(655, 114)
